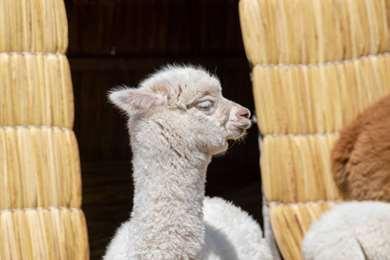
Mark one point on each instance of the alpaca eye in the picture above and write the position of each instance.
(205, 105)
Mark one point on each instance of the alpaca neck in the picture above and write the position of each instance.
(168, 201)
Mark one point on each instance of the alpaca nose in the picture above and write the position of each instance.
(243, 112)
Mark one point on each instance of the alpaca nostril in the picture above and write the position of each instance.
(243, 112)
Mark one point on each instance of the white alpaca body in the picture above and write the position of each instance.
(178, 120)
(230, 234)
(351, 230)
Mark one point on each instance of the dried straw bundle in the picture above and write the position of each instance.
(303, 99)
(50, 234)
(290, 223)
(36, 89)
(39, 163)
(33, 25)
(317, 65)
(312, 31)
(297, 168)
(40, 168)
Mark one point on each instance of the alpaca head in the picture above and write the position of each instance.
(185, 103)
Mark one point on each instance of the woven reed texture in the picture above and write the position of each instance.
(290, 223)
(40, 168)
(52, 234)
(40, 180)
(268, 232)
(36, 89)
(297, 168)
(311, 31)
(305, 99)
(317, 65)
(33, 26)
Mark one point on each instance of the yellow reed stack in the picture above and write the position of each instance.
(40, 184)
(316, 65)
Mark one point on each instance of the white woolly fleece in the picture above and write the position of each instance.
(351, 230)
(230, 234)
(178, 120)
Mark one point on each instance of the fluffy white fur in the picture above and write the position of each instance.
(178, 119)
(231, 233)
(351, 230)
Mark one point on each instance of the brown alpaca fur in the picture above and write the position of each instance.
(361, 156)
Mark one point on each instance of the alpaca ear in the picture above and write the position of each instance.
(133, 100)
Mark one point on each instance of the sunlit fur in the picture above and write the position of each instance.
(173, 140)
(351, 230)
(361, 156)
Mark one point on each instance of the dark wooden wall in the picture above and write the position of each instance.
(114, 42)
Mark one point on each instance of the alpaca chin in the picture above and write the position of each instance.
(221, 152)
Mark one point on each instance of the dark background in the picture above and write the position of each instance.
(114, 42)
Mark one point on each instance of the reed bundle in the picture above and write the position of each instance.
(36, 89)
(302, 99)
(312, 31)
(40, 184)
(297, 168)
(317, 65)
(36, 234)
(39, 168)
(290, 223)
(33, 26)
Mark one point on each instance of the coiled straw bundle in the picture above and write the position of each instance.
(311, 31)
(297, 168)
(36, 90)
(316, 66)
(40, 184)
(40, 168)
(52, 233)
(33, 26)
(307, 99)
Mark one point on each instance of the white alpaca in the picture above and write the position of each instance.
(351, 230)
(178, 119)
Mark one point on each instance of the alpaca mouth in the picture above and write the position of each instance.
(243, 125)
(238, 131)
